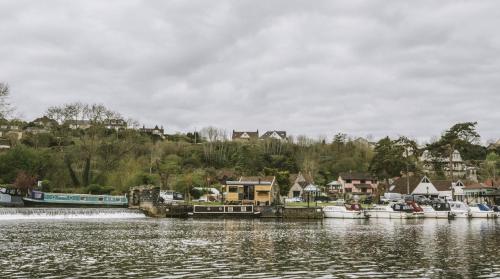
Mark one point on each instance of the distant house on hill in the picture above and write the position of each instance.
(358, 183)
(299, 182)
(115, 124)
(78, 124)
(278, 135)
(245, 136)
(11, 129)
(458, 166)
(41, 125)
(45, 122)
(156, 131)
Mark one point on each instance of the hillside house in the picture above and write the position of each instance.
(245, 136)
(276, 135)
(458, 167)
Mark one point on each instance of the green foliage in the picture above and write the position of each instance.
(97, 189)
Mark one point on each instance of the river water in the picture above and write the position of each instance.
(174, 248)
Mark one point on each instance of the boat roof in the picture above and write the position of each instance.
(76, 194)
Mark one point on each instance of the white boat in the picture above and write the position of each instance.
(481, 211)
(460, 209)
(417, 211)
(391, 211)
(430, 212)
(342, 212)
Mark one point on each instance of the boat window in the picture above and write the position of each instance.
(101, 198)
(82, 198)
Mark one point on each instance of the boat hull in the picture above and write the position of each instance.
(345, 215)
(390, 214)
(461, 214)
(41, 203)
(438, 214)
(483, 214)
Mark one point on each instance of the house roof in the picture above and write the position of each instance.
(476, 186)
(301, 179)
(356, 175)
(245, 135)
(269, 179)
(442, 185)
(399, 185)
(274, 134)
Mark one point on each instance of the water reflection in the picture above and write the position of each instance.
(149, 248)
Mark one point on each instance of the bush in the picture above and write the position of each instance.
(97, 189)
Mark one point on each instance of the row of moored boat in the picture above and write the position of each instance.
(407, 210)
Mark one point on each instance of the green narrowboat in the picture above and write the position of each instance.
(38, 198)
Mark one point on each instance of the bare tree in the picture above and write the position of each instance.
(5, 106)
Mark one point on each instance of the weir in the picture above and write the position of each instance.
(69, 213)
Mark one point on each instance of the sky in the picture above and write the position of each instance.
(364, 68)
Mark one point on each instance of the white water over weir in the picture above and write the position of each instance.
(25, 213)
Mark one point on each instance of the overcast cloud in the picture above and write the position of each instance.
(308, 67)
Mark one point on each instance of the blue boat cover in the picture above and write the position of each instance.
(483, 207)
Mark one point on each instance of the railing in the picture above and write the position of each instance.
(223, 209)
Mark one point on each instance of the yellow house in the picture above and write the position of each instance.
(254, 190)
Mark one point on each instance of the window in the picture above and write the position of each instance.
(348, 190)
(362, 181)
(233, 189)
(101, 198)
(348, 181)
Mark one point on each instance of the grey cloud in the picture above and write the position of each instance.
(360, 67)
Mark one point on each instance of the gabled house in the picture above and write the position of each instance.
(156, 131)
(358, 183)
(299, 182)
(277, 135)
(457, 167)
(423, 186)
(245, 136)
(45, 122)
(252, 190)
(115, 124)
(78, 124)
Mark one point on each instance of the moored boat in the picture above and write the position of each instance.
(439, 210)
(353, 211)
(38, 198)
(417, 211)
(481, 211)
(460, 209)
(10, 198)
(391, 211)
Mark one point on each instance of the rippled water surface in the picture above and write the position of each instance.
(166, 248)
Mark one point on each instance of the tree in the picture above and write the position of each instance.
(392, 157)
(457, 137)
(88, 138)
(24, 181)
(5, 107)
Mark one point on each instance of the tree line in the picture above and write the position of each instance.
(100, 159)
